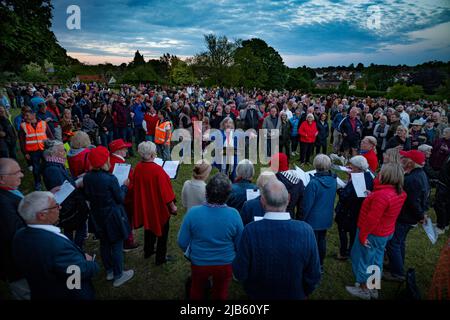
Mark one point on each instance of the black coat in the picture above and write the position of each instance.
(10, 222)
(395, 142)
(323, 132)
(295, 188)
(418, 191)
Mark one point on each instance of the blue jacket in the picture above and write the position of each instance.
(239, 194)
(318, 201)
(106, 198)
(44, 258)
(295, 121)
(337, 120)
(345, 127)
(323, 132)
(251, 209)
(139, 112)
(55, 174)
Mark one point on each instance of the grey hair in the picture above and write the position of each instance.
(51, 146)
(275, 195)
(447, 129)
(322, 162)
(264, 178)
(245, 169)
(34, 203)
(218, 189)
(147, 150)
(360, 162)
(425, 147)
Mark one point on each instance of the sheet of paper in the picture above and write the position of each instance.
(121, 171)
(359, 184)
(303, 176)
(312, 172)
(340, 183)
(64, 192)
(171, 168)
(430, 231)
(342, 168)
(258, 218)
(252, 194)
(159, 161)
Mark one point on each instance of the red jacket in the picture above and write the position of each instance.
(78, 163)
(151, 122)
(379, 212)
(372, 160)
(308, 132)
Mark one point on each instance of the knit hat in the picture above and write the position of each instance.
(415, 155)
(201, 171)
(279, 162)
(98, 157)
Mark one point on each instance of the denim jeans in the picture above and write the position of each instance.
(321, 244)
(106, 138)
(163, 151)
(294, 143)
(112, 257)
(139, 135)
(396, 249)
(346, 244)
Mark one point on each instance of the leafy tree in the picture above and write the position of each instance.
(181, 74)
(138, 59)
(300, 78)
(403, 92)
(33, 72)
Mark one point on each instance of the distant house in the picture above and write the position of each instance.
(327, 84)
(90, 78)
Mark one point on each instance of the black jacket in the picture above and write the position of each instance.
(10, 222)
(417, 189)
(295, 188)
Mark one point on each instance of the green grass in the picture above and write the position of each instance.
(167, 282)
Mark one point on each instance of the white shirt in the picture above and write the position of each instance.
(48, 228)
(404, 119)
(277, 216)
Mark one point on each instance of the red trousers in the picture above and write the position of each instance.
(221, 278)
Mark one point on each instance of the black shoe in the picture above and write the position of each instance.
(392, 277)
(167, 259)
(130, 247)
(148, 254)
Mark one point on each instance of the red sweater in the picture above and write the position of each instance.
(151, 123)
(379, 212)
(372, 160)
(308, 132)
(79, 163)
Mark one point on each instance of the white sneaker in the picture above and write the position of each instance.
(126, 275)
(30, 168)
(358, 292)
(440, 231)
(110, 276)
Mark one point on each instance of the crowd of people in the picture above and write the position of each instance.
(274, 244)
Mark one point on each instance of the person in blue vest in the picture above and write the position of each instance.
(277, 257)
(54, 267)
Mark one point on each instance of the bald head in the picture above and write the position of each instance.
(10, 173)
(6, 164)
(274, 196)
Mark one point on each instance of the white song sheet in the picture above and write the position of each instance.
(359, 184)
(171, 168)
(122, 171)
(64, 192)
(252, 194)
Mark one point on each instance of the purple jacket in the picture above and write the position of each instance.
(439, 153)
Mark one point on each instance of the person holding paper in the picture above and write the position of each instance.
(118, 150)
(209, 236)
(253, 208)
(348, 206)
(376, 225)
(106, 198)
(416, 205)
(244, 175)
(277, 257)
(193, 193)
(154, 202)
(54, 175)
(318, 202)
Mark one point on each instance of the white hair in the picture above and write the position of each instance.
(264, 178)
(322, 162)
(34, 203)
(425, 148)
(245, 169)
(147, 150)
(360, 162)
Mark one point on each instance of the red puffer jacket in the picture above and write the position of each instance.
(379, 212)
(308, 132)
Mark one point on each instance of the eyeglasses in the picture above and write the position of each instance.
(11, 174)
(51, 208)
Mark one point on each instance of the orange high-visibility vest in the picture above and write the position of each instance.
(34, 138)
(160, 133)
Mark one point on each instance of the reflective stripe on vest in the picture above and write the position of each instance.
(34, 138)
(160, 133)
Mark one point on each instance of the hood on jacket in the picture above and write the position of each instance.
(75, 152)
(326, 179)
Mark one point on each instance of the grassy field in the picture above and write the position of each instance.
(166, 282)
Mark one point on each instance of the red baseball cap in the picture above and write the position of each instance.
(415, 155)
(118, 144)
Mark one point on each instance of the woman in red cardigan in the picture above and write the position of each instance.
(307, 133)
(367, 150)
(376, 225)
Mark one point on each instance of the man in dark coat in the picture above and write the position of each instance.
(54, 267)
(10, 221)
